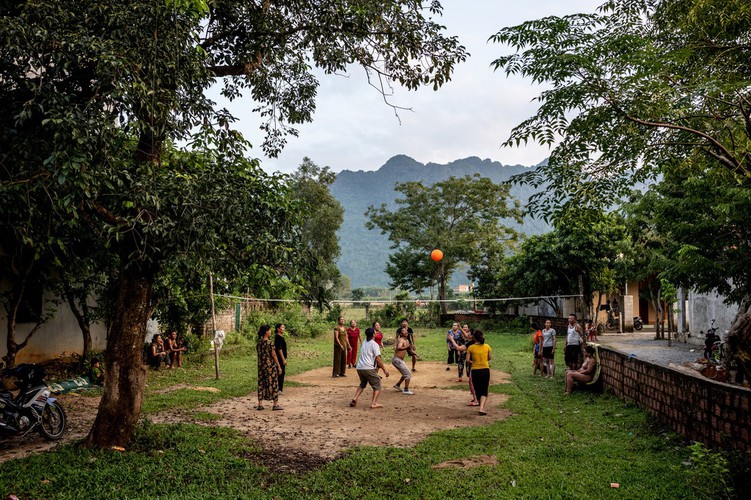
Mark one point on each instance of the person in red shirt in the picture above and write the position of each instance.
(353, 337)
(537, 349)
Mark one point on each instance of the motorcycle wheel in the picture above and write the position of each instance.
(638, 326)
(53, 422)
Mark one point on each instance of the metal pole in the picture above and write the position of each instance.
(213, 323)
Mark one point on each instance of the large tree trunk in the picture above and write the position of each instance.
(121, 402)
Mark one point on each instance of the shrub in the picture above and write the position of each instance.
(709, 473)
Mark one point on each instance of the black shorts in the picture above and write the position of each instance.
(548, 352)
(571, 354)
(481, 381)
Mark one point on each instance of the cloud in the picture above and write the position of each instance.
(470, 116)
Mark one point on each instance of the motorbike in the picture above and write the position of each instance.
(32, 407)
(713, 345)
(638, 323)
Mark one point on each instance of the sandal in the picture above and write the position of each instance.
(473, 403)
(483, 413)
(259, 407)
(277, 407)
(353, 403)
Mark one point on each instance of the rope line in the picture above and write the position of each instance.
(409, 301)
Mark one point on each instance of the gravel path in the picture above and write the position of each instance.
(645, 347)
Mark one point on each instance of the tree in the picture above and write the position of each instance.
(318, 239)
(26, 218)
(411, 271)
(459, 216)
(358, 294)
(95, 93)
(640, 89)
(586, 246)
(651, 253)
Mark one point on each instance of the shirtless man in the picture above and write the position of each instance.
(401, 346)
(411, 339)
(583, 374)
(175, 351)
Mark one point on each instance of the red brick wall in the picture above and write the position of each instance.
(715, 414)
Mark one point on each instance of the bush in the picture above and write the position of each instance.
(335, 312)
(709, 475)
(297, 324)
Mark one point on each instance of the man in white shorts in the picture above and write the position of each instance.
(401, 346)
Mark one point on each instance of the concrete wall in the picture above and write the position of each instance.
(696, 407)
(703, 308)
(58, 337)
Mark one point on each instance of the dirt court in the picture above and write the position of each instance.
(317, 419)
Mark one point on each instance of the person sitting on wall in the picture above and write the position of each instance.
(583, 375)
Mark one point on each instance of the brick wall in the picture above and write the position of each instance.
(715, 414)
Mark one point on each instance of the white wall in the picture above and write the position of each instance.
(58, 337)
(702, 308)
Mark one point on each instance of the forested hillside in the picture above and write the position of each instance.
(364, 252)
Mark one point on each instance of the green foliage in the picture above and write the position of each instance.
(198, 461)
(364, 251)
(585, 243)
(335, 312)
(459, 216)
(320, 220)
(96, 93)
(648, 90)
(297, 324)
(708, 475)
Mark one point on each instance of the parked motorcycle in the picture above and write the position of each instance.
(32, 407)
(713, 345)
(638, 323)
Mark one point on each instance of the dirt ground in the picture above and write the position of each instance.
(317, 423)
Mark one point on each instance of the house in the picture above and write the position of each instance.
(59, 336)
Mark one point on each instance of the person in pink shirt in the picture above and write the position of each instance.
(353, 337)
(378, 334)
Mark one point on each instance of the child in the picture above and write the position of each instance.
(537, 349)
(96, 372)
(591, 331)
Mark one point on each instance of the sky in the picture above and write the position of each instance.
(472, 115)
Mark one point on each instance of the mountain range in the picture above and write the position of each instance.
(364, 252)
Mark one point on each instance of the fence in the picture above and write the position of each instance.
(712, 413)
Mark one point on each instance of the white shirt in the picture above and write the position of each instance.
(572, 336)
(369, 351)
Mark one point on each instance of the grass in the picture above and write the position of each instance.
(552, 447)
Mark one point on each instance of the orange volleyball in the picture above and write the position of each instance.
(436, 255)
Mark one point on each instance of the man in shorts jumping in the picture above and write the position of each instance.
(411, 339)
(401, 346)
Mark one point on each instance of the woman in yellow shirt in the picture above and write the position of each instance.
(478, 356)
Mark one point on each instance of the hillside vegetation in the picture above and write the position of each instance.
(364, 252)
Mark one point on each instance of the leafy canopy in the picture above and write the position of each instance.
(460, 216)
(632, 87)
